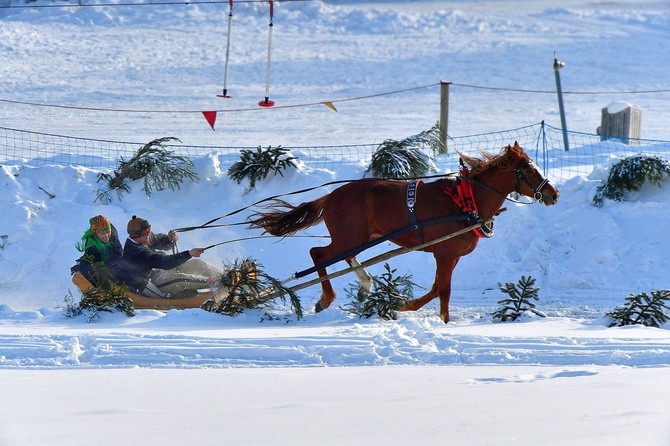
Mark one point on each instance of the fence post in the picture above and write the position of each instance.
(621, 121)
(444, 115)
(557, 66)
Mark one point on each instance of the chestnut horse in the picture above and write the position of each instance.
(365, 210)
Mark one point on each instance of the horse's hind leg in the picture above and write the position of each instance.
(364, 279)
(415, 304)
(320, 255)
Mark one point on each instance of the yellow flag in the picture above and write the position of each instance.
(329, 105)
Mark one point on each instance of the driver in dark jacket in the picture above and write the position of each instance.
(139, 258)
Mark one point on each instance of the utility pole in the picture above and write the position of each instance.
(557, 66)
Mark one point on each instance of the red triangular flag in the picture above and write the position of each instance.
(210, 116)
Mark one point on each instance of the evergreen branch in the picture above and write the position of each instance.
(519, 300)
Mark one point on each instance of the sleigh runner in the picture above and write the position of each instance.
(142, 302)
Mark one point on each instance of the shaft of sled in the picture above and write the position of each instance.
(379, 258)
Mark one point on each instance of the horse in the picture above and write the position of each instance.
(368, 209)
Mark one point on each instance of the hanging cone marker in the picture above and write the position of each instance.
(210, 116)
(225, 70)
(267, 102)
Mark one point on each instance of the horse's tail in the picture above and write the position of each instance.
(284, 219)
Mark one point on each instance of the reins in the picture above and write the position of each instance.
(256, 237)
(208, 224)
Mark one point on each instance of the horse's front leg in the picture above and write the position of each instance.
(319, 255)
(441, 287)
(445, 269)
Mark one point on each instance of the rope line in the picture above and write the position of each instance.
(307, 104)
(159, 3)
(522, 90)
(336, 101)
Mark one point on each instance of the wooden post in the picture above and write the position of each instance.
(444, 115)
(620, 121)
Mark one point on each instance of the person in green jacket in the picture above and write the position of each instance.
(101, 250)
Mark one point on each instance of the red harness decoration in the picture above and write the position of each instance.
(464, 198)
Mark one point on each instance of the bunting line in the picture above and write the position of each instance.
(308, 104)
(329, 104)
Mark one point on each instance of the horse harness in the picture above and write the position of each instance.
(411, 212)
(470, 218)
(462, 195)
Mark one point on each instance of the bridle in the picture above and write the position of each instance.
(520, 177)
(537, 192)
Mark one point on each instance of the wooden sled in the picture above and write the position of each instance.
(141, 302)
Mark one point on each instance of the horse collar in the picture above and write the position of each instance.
(463, 196)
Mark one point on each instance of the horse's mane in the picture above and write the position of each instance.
(505, 160)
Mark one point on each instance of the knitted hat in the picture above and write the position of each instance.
(100, 223)
(137, 227)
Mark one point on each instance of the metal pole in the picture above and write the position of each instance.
(557, 66)
(224, 94)
(444, 115)
(267, 102)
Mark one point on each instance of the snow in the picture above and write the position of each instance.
(182, 377)
(617, 107)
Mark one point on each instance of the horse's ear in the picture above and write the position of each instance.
(516, 144)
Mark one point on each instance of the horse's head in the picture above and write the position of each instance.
(529, 180)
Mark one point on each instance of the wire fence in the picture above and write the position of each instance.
(542, 142)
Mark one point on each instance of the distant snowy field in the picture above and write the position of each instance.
(154, 60)
(186, 377)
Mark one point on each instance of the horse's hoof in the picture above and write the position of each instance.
(318, 308)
